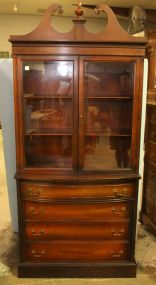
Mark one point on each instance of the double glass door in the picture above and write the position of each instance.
(77, 113)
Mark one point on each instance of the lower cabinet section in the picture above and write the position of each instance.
(80, 251)
(85, 236)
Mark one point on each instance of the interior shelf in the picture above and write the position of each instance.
(33, 96)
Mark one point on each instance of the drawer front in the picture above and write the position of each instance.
(71, 211)
(75, 251)
(152, 152)
(30, 190)
(152, 132)
(80, 230)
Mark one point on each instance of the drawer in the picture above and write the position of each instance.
(75, 211)
(43, 191)
(76, 251)
(79, 230)
(152, 152)
(152, 132)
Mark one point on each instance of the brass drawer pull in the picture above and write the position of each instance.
(36, 212)
(34, 193)
(38, 255)
(41, 233)
(117, 234)
(121, 193)
(117, 212)
(117, 255)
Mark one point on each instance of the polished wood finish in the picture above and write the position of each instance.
(44, 191)
(77, 119)
(82, 251)
(148, 216)
(82, 230)
(149, 192)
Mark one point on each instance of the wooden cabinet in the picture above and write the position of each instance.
(78, 103)
(148, 212)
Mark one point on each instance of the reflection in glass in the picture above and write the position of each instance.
(108, 102)
(48, 115)
(110, 117)
(53, 78)
(107, 152)
(108, 79)
(49, 151)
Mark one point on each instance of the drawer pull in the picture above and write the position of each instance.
(121, 193)
(34, 193)
(38, 255)
(36, 212)
(117, 234)
(117, 255)
(41, 233)
(117, 212)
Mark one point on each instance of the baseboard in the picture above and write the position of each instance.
(81, 270)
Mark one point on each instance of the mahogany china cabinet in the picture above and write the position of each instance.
(148, 213)
(78, 98)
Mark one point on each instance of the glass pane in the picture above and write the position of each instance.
(109, 117)
(48, 115)
(107, 152)
(108, 102)
(53, 78)
(49, 151)
(109, 79)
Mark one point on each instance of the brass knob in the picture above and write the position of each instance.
(118, 254)
(36, 212)
(34, 193)
(117, 211)
(121, 193)
(38, 254)
(117, 234)
(41, 233)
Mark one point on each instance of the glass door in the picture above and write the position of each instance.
(49, 119)
(106, 111)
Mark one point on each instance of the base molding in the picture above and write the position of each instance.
(78, 270)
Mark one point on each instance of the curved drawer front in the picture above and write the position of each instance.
(45, 191)
(80, 230)
(83, 251)
(79, 211)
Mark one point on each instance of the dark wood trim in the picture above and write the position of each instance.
(92, 270)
